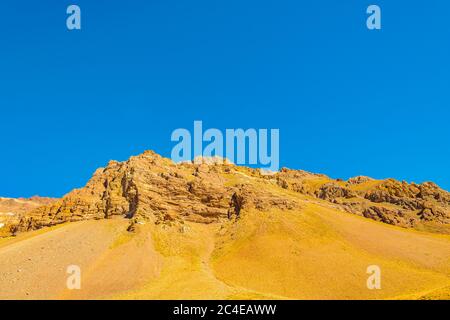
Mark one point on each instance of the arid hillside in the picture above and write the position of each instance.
(147, 228)
(154, 189)
(12, 210)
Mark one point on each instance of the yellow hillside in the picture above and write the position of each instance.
(147, 228)
(311, 253)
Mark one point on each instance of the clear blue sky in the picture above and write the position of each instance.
(348, 101)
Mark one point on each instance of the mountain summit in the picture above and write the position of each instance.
(150, 188)
(148, 228)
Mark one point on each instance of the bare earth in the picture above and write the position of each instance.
(315, 253)
(148, 228)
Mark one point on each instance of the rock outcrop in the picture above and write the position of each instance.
(389, 201)
(153, 189)
(12, 210)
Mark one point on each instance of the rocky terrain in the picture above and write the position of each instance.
(148, 187)
(148, 228)
(388, 201)
(13, 210)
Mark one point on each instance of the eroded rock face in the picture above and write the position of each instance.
(330, 191)
(149, 188)
(429, 201)
(359, 180)
(12, 210)
(432, 212)
(247, 196)
(390, 216)
(389, 201)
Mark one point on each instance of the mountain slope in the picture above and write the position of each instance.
(310, 253)
(151, 188)
(147, 228)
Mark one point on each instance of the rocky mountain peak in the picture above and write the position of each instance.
(148, 188)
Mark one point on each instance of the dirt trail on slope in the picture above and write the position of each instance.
(313, 253)
(151, 263)
(186, 273)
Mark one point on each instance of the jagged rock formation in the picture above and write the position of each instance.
(388, 201)
(149, 188)
(331, 191)
(12, 210)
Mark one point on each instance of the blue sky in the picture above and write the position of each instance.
(348, 101)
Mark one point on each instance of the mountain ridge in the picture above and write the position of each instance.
(148, 228)
(150, 188)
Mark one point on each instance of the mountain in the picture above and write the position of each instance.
(12, 210)
(150, 228)
(151, 188)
